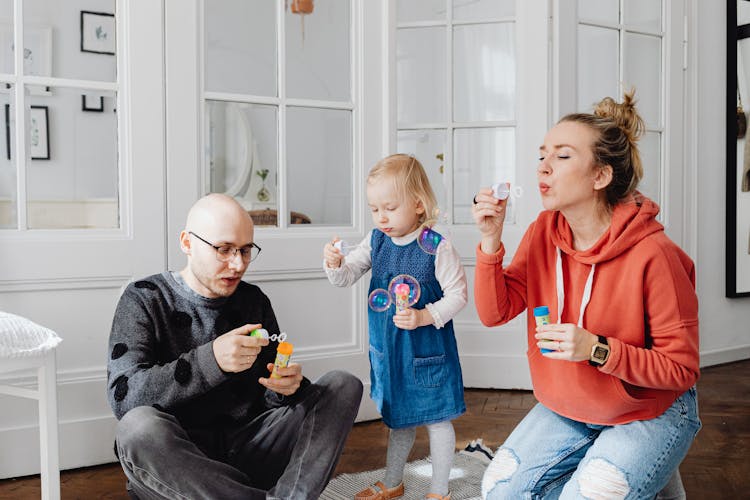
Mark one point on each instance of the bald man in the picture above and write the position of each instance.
(199, 416)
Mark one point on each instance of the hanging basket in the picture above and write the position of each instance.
(302, 6)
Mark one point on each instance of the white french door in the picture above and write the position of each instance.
(470, 101)
(87, 208)
(606, 47)
(284, 112)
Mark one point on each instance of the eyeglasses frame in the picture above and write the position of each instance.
(236, 249)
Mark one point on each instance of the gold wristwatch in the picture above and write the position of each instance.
(599, 352)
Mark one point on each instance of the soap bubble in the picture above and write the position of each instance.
(433, 231)
(379, 300)
(429, 239)
(414, 289)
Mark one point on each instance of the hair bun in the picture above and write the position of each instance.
(623, 114)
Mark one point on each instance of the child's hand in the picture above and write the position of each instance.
(410, 319)
(332, 255)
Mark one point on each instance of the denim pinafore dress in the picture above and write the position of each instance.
(415, 374)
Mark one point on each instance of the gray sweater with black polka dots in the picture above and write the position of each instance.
(161, 355)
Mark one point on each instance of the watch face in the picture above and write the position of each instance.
(600, 353)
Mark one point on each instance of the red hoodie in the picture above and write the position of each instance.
(643, 300)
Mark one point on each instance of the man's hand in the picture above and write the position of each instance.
(235, 351)
(291, 378)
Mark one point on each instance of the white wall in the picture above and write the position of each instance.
(725, 323)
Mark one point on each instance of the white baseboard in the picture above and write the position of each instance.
(82, 443)
(726, 355)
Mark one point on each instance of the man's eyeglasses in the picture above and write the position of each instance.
(225, 253)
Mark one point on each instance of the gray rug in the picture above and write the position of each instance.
(465, 479)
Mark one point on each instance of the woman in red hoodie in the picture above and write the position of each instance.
(615, 380)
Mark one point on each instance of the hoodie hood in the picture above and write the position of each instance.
(632, 220)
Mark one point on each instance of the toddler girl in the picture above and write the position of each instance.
(414, 368)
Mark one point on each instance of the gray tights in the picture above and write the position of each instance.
(442, 447)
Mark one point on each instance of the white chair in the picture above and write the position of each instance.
(24, 345)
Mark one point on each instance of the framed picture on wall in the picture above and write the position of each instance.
(7, 131)
(37, 54)
(92, 103)
(98, 32)
(737, 246)
(39, 133)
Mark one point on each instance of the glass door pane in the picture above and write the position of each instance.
(66, 42)
(429, 147)
(72, 171)
(643, 71)
(483, 9)
(241, 153)
(240, 47)
(598, 68)
(420, 70)
(482, 157)
(602, 11)
(318, 52)
(8, 172)
(650, 148)
(484, 72)
(421, 10)
(643, 14)
(319, 166)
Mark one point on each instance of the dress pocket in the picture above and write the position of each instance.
(431, 371)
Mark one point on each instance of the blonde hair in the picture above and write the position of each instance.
(618, 127)
(409, 180)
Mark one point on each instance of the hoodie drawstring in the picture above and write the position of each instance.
(561, 290)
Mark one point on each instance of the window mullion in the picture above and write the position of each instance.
(448, 156)
(282, 169)
(20, 105)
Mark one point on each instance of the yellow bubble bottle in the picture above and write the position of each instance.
(283, 353)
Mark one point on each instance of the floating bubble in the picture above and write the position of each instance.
(433, 231)
(414, 289)
(379, 300)
(428, 238)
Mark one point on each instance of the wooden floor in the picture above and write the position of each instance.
(717, 467)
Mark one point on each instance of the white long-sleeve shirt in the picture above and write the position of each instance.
(448, 271)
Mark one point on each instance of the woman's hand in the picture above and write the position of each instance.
(332, 255)
(489, 215)
(566, 341)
